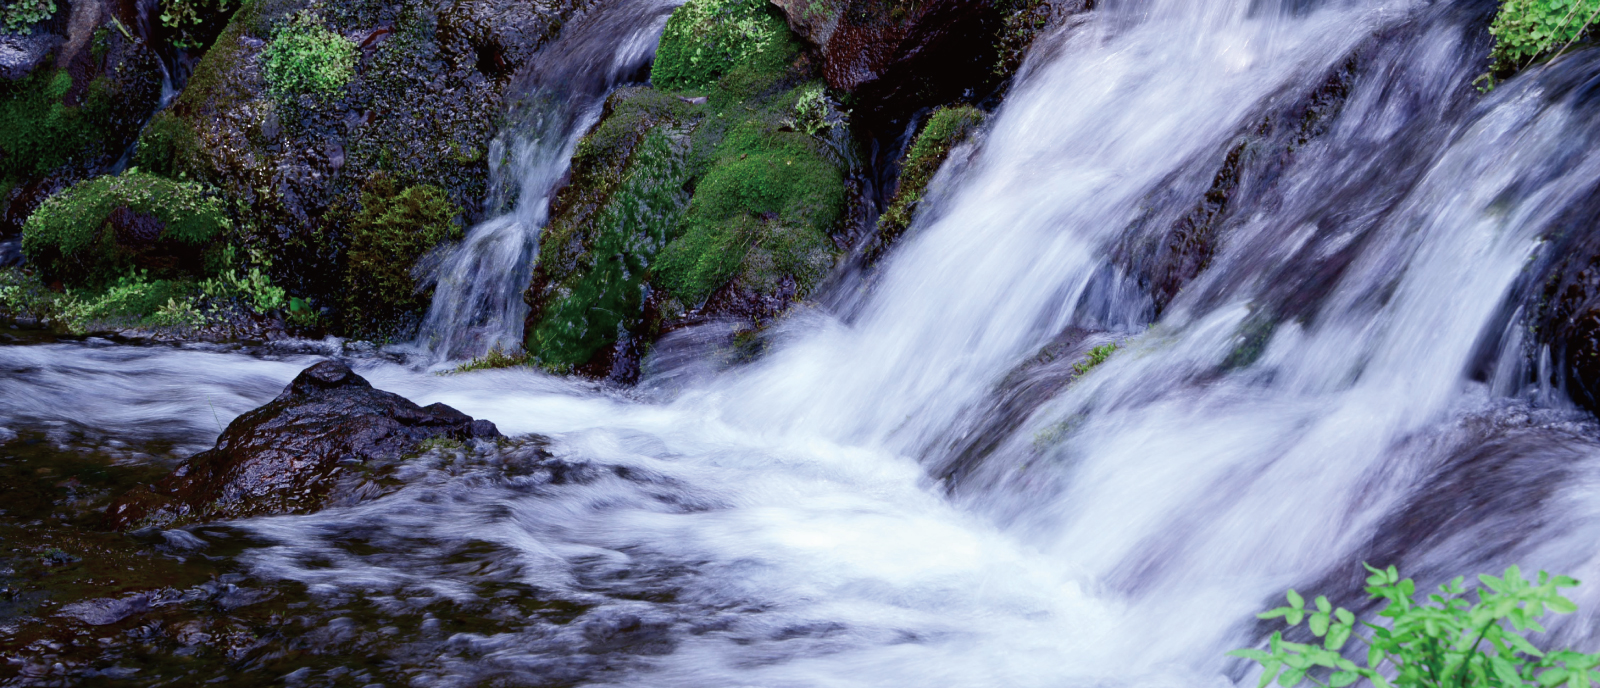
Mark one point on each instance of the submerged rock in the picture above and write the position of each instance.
(318, 444)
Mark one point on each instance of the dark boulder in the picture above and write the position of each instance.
(896, 58)
(319, 444)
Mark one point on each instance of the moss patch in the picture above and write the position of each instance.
(394, 229)
(714, 181)
(40, 131)
(97, 230)
(167, 146)
(947, 127)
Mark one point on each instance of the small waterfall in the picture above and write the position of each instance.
(875, 503)
(477, 303)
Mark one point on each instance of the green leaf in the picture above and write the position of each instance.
(1251, 653)
(1340, 679)
(1295, 600)
(1562, 605)
(1319, 624)
(1269, 671)
(1344, 616)
(1322, 604)
(1337, 636)
(1291, 678)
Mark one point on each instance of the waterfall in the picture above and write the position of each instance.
(922, 490)
(477, 303)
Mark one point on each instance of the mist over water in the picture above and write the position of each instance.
(1316, 397)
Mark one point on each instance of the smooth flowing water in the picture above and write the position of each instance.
(909, 492)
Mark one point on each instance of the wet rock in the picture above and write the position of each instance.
(21, 55)
(320, 442)
(897, 58)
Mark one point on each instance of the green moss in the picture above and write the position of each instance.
(1094, 358)
(706, 39)
(603, 294)
(947, 127)
(393, 230)
(40, 132)
(168, 146)
(70, 239)
(306, 57)
(768, 189)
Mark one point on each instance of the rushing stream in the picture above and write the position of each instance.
(897, 494)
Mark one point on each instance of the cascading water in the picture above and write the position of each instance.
(477, 305)
(1310, 400)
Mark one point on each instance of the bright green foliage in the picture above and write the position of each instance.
(947, 127)
(253, 287)
(1527, 29)
(18, 16)
(394, 229)
(307, 57)
(70, 239)
(186, 18)
(132, 300)
(1094, 358)
(704, 39)
(1446, 641)
(811, 110)
(39, 132)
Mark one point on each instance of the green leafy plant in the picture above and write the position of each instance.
(187, 19)
(306, 57)
(252, 286)
(1446, 641)
(19, 16)
(1525, 30)
(811, 110)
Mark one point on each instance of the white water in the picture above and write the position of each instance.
(778, 524)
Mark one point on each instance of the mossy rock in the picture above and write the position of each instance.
(946, 128)
(705, 39)
(168, 146)
(394, 229)
(704, 184)
(98, 230)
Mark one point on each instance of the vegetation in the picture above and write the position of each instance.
(97, 230)
(946, 128)
(188, 19)
(1526, 30)
(306, 57)
(393, 230)
(167, 146)
(1094, 358)
(1445, 641)
(496, 358)
(19, 16)
(40, 132)
(706, 39)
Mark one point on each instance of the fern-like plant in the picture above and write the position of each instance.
(1446, 641)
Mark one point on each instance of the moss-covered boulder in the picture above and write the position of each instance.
(394, 229)
(717, 192)
(419, 104)
(103, 228)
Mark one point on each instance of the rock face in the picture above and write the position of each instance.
(318, 444)
(899, 57)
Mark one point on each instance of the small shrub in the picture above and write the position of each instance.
(74, 236)
(811, 110)
(393, 230)
(306, 57)
(704, 39)
(1444, 642)
(19, 16)
(253, 287)
(494, 359)
(1525, 30)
